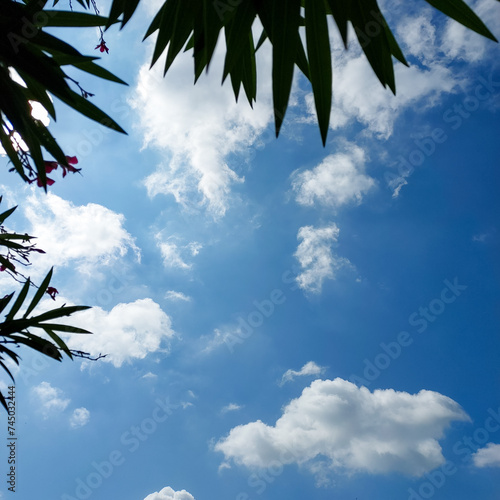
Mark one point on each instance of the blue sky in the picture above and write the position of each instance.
(281, 320)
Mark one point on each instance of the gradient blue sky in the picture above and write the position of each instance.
(282, 320)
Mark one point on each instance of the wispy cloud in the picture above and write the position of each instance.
(310, 368)
(231, 407)
(51, 399)
(176, 296)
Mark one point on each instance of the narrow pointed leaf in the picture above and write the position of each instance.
(320, 62)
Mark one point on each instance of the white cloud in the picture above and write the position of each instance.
(489, 456)
(310, 368)
(339, 179)
(462, 43)
(316, 258)
(50, 398)
(128, 332)
(168, 493)
(150, 375)
(357, 94)
(349, 429)
(219, 337)
(172, 253)
(174, 296)
(417, 36)
(197, 127)
(86, 236)
(231, 407)
(79, 418)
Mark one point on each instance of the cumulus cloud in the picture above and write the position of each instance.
(168, 493)
(310, 368)
(315, 256)
(349, 429)
(84, 236)
(197, 128)
(489, 456)
(128, 332)
(339, 179)
(51, 399)
(79, 418)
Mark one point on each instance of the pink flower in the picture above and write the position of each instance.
(102, 46)
(52, 292)
(50, 165)
(72, 160)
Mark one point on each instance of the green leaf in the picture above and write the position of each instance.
(281, 20)
(38, 344)
(6, 214)
(7, 370)
(340, 12)
(91, 111)
(58, 313)
(4, 301)
(70, 19)
(7, 264)
(63, 328)
(237, 31)
(19, 301)
(183, 24)
(4, 403)
(320, 62)
(59, 342)
(39, 294)
(462, 13)
(366, 20)
(94, 69)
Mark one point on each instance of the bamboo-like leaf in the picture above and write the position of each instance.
(320, 62)
(39, 294)
(70, 19)
(59, 342)
(4, 301)
(462, 13)
(58, 313)
(19, 301)
(63, 328)
(237, 31)
(365, 18)
(340, 12)
(281, 19)
(182, 26)
(91, 111)
(6, 214)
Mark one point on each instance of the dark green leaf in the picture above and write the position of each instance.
(39, 294)
(462, 13)
(320, 63)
